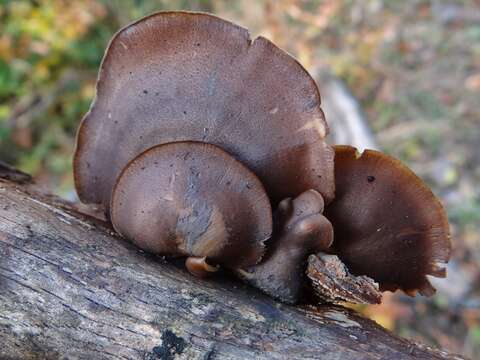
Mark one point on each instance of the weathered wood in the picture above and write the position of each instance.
(71, 289)
(333, 283)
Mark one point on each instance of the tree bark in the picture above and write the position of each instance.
(71, 289)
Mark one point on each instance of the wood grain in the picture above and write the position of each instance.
(71, 289)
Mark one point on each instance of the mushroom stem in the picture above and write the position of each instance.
(300, 230)
(199, 267)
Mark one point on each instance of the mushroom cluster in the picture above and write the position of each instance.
(197, 133)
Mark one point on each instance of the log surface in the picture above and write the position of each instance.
(71, 289)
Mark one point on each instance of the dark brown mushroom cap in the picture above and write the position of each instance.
(192, 199)
(388, 225)
(176, 76)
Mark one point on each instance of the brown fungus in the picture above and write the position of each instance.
(300, 229)
(191, 117)
(199, 266)
(176, 76)
(388, 224)
(193, 199)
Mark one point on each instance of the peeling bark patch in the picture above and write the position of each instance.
(341, 319)
(9, 173)
(171, 345)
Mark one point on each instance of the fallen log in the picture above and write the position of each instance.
(70, 288)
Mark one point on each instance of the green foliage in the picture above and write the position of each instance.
(416, 76)
(50, 51)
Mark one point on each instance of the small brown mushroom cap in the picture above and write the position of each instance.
(192, 199)
(176, 76)
(199, 267)
(388, 224)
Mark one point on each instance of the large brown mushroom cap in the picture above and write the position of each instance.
(192, 199)
(176, 76)
(388, 225)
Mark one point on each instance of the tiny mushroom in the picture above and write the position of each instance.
(388, 224)
(193, 199)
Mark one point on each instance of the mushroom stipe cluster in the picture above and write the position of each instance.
(204, 144)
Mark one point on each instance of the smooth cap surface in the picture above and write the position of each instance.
(192, 199)
(387, 223)
(176, 76)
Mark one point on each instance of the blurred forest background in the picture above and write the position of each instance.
(414, 66)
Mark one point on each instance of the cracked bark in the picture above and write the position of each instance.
(70, 288)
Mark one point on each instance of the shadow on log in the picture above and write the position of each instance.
(70, 288)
